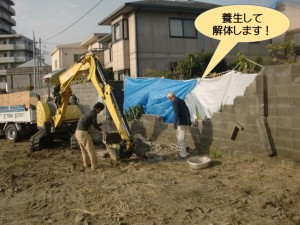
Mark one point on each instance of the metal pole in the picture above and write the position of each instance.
(34, 72)
(40, 63)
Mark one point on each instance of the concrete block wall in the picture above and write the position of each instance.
(152, 127)
(284, 109)
(279, 87)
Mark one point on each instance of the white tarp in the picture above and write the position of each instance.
(211, 94)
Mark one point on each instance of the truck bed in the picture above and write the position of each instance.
(17, 113)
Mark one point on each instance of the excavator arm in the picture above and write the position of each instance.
(90, 67)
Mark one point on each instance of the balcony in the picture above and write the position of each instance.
(7, 29)
(12, 47)
(8, 19)
(8, 8)
(13, 59)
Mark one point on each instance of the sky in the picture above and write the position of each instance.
(47, 18)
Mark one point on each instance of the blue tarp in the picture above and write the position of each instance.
(151, 93)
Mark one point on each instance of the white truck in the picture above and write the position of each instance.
(17, 122)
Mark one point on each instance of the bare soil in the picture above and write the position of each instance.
(50, 187)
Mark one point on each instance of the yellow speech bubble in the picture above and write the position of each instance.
(239, 23)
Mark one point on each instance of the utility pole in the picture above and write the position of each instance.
(40, 62)
(34, 72)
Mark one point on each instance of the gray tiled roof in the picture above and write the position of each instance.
(30, 63)
(173, 4)
(160, 5)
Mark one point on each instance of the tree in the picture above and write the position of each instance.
(191, 66)
(246, 66)
(194, 65)
(283, 52)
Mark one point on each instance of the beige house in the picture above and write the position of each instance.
(96, 43)
(64, 56)
(157, 34)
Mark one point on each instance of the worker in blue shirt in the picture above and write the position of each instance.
(182, 121)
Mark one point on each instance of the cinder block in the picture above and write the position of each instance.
(281, 101)
(259, 85)
(283, 143)
(249, 137)
(278, 69)
(295, 155)
(151, 118)
(257, 149)
(238, 145)
(216, 142)
(283, 122)
(216, 125)
(240, 100)
(284, 153)
(296, 144)
(295, 91)
(240, 118)
(283, 91)
(228, 108)
(217, 134)
(283, 133)
(295, 112)
(296, 101)
(250, 119)
(296, 134)
(295, 123)
(250, 128)
(252, 109)
(251, 90)
(223, 116)
(283, 80)
(252, 105)
(283, 110)
(226, 134)
(239, 109)
(295, 68)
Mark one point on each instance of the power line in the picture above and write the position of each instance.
(74, 22)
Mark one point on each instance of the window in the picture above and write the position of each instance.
(77, 57)
(120, 30)
(182, 28)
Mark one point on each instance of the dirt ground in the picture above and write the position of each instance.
(50, 187)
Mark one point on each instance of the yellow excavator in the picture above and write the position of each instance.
(60, 120)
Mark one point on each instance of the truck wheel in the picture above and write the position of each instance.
(11, 133)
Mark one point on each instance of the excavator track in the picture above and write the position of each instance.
(36, 140)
